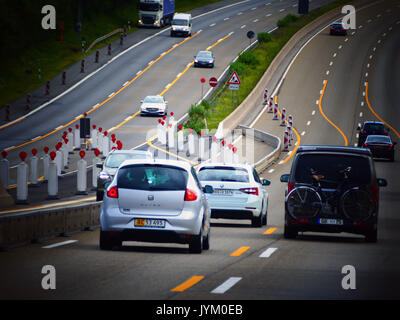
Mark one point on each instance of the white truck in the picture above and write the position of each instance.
(156, 13)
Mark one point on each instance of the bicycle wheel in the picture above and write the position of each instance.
(303, 202)
(357, 204)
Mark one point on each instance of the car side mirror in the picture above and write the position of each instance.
(382, 182)
(99, 165)
(208, 189)
(166, 102)
(285, 178)
(266, 182)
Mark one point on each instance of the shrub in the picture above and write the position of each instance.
(287, 20)
(264, 37)
(239, 67)
(248, 58)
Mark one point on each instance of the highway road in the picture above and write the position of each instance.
(345, 80)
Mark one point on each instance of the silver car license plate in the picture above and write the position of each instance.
(150, 223)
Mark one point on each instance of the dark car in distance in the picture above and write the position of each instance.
(371, 128)
(381, 146)
(337, 28)
(204, 59)
(332, 189)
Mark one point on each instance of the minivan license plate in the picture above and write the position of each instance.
(150, 223)
(337, 222)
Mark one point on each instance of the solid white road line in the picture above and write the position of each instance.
(267, 253)
(226, 285)
(60, 244)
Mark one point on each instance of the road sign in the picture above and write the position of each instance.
(213, 82)
(250, 34)
(234, 79)
(233, 87)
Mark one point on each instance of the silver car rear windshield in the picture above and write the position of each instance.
(152, 177)
(331, 167)
(234, 174)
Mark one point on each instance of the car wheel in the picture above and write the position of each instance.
(206, 241)
(392, 158)
(107, 242)
(99, 195)
(196, 244)
(256, 222)
(264, 220)
(372, 236)
(289, 232)
(212, 66)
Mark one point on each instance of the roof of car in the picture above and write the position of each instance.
(338, 149)
(182, 15)
(222, 164)
(178, 163)
(376, 122)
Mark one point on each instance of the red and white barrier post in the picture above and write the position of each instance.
(271, 105)
(191, 144)
(106, 144)
(52, 182)
(283, 117)
(22, 180)
(290, 121)
(180, 139)
(95, 171)
(235, 155)
(82, 175)
(77, 138)
(276, 116)
(4, 169)
(33, 172)
(214, 149)
(286, 140)
(94, 137)
(46, 163)
(59, 159)
(265, 99)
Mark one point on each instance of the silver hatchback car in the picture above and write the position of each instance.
(156, 201)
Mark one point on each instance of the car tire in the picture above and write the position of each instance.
(256, 222)
(264, 220)
(196, 244)
(371, 236)
(99, 195)
(289, 232)
(107, 242)
(391, 158)
(206, 241)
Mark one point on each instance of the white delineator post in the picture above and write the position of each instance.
(4, 169)
(77, 137)
(171, 135)
(235, 155)
(59, 159)
(100, 140)
(93, 135)
(106, 144)
(95, 170)
(82, 175)
(52, 182)
(22, 180)
(46, 162)
(283, 117)
(271, 104)
(180, 139)
(214, 149)
(65, 152)
(70, 137)
(191, 144)
(33, 172)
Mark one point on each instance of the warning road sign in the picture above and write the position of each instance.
(234, 79)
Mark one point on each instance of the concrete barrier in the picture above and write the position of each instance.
(35, 225)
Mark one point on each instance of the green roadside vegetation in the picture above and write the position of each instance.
(26, 47)
(250, 66)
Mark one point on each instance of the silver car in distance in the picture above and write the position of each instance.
(156, 201)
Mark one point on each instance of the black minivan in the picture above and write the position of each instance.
(332, 189)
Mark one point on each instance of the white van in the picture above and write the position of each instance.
(181, 24)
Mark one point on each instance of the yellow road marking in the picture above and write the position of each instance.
(239, 251)
(270, 230)
(375, 114)
(187, 284)
(346, 142)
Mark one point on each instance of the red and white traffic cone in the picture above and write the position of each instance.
(265, 100)
(276, 116)
(290, 121)
(283, 117)
(47, 87)
(28, 101)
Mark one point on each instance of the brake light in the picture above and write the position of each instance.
(290, 186)
(113, 192)
(363, 131)
(190, 195)
(366, 144)
(332, 28)
(253, 191)
(375, 192)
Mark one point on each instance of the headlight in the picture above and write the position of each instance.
(156, 22)
(173, 28)
(104, 176)
(140, 21)
(195, 60)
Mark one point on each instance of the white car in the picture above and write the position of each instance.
(154, 105)
(181, 25)
(238, 192)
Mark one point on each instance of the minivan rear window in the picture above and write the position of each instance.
(330, 166)
(152, 177)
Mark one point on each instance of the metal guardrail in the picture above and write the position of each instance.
(120, 30)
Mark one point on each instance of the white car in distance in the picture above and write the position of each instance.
(154, 105)
(238, 192)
